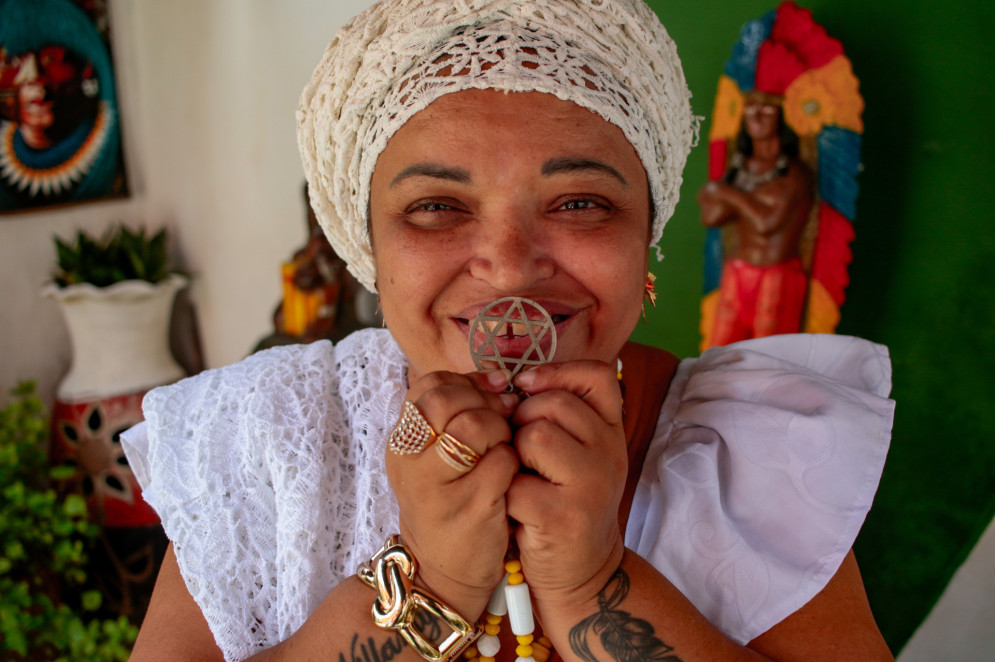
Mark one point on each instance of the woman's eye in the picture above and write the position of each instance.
(431, 205)
(583, 204)
(434, 213)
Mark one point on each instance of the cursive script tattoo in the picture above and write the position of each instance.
(624, 637)
(372, 651)
(387, 649)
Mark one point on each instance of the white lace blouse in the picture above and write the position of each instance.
(268, 476)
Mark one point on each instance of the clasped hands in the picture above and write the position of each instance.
(551, 474)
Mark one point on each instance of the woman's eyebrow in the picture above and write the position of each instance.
(566, 164)
(435, 170)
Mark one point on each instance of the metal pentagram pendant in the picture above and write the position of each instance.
(511, 333)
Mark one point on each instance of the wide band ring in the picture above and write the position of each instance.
(455, 453)
(412, 434)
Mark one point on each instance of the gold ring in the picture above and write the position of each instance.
(412, 433)
(455, 453)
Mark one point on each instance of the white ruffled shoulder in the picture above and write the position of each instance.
(765, 462)
(268, 476)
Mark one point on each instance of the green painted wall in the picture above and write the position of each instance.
(921, 280)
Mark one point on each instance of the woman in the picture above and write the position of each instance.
(459, 155)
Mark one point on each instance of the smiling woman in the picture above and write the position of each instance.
(516, 158)
(548, 213)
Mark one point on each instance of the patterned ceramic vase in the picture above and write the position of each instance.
(120, 341)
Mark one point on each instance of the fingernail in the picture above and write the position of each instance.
(509, 400)
(525, 379)
(498, 378)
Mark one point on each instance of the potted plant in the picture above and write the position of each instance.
(46, 613)
(116, 294)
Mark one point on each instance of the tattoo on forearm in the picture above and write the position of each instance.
(373, 651)
(624, 637)
(387, 649)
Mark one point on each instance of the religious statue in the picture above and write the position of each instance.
(312, 286)
(320, 296)
(784, 152)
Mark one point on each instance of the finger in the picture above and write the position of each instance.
(476, 494)
(481, 429)
(461, 452)
(565, 411)
(495, 381)
(488, 483)
(441, 395)
(461, 416)
(452, 454)
(440, 405)
(549, 518)
(492, 381)
(594, 382)
(560, 458)
(531, 500)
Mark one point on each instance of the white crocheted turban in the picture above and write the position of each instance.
(612, 57)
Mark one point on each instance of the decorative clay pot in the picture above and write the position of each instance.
(120, 341)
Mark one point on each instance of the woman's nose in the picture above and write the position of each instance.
(511, 256)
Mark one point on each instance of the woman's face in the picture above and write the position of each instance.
(487, 194)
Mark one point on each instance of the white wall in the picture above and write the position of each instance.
(961, 627)
(208, 90)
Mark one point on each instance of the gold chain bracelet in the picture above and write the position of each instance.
(391, 572)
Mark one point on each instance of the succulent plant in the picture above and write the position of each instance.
(122, 254)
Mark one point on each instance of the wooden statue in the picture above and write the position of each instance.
(784, 151)
(312, 287)
(319, 294)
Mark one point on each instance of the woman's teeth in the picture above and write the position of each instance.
(513, 329)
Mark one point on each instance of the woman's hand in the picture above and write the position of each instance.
(455, 523)
(569, 433)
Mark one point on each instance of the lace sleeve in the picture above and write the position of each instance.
(268, 476)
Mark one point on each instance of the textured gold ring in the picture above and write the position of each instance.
(455, 453)
(412, 433)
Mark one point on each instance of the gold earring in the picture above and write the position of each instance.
(649, 293)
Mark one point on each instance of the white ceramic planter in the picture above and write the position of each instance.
(120, 337)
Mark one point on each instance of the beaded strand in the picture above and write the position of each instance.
(511, 597)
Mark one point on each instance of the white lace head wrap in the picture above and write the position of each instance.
(612, 57)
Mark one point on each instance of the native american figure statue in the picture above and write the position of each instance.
(784, 152)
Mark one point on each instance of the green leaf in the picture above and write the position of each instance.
(75, 506)
(15, 640)
(62, 472)
(14, 550)
(120, 255)
(91, 600)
